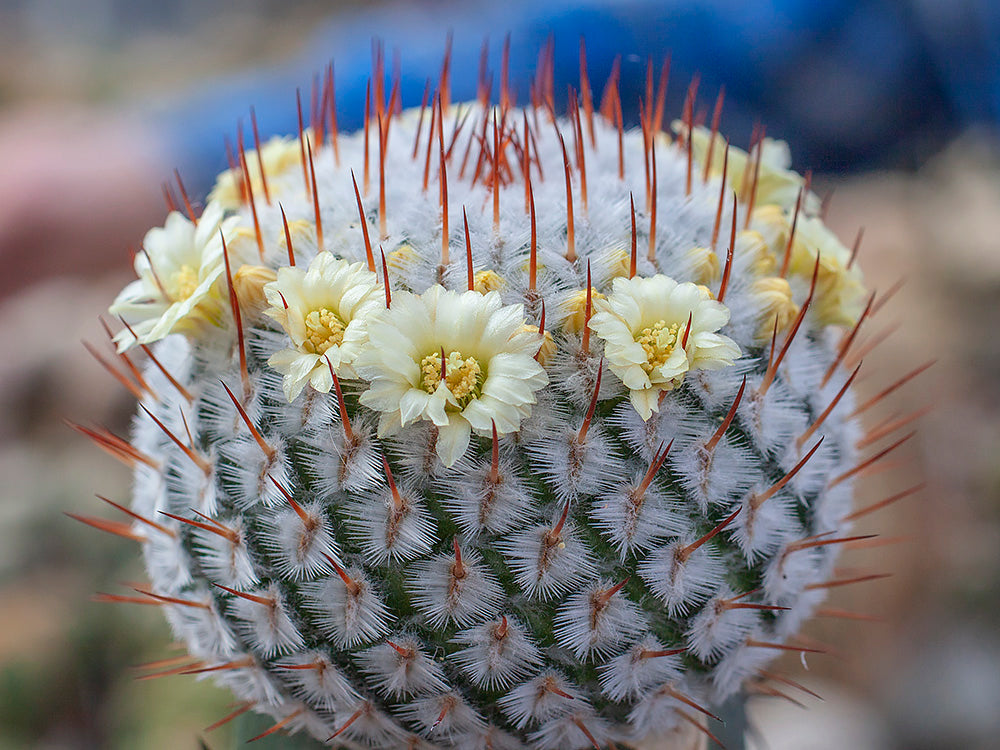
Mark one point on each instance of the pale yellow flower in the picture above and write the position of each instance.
(776, 183)
(547, 348)
(619, 262)
(705, 264)
(282, 158)
(488, 281)
(325, 310)
(840, 290)
(774, 296)
(489, 378)
(642, 323)
(751, 245)
(574, 309)
(401, 259)
(180, 286)
(302, 231)
(249, 282)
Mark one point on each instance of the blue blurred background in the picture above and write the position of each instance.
(894, 105)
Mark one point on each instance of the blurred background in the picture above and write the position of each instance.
(895, 106)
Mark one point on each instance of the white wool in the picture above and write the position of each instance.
(739, 665)
(544, 568)
(580, 729)
(714, 477)
(660, 709)
(634, 521)
(362, 722)
(322, 683)
(717, 389)
(791, 570)
(166, 559)
(759, 530)
(574, 372)
(400, 674)
(593, 624)
(299, 548)
(483, 503)
(683, 583)
(496, 653)
(188, 487)
(386, 532)
(576, 468)
(414, 450)
(347, 617)
(267, 626)
(444, 593)
(207, 633)
(718, 628)
(335, 463)
(772, 420)
(219, 414)
(442, 716)
(637, 670)
(542, 698)
(249, 475)
(254, 684)
(226, 560)
(487, 738)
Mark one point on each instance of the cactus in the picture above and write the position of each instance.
(489, 429)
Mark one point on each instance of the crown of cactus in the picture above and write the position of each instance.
(487, 428)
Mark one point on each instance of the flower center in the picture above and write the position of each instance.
(324, 329)
(462, 375)
(658, 342)
(183, 282)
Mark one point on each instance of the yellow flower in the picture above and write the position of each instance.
(302, 231)
(839, 290)
(282, 158)
(179, 288)
(488, 374)
(751, 245)
(574, 307)
(774, 295)
(776, 183)
(547, 348)
(619, 262)
(249, 282)
(705, 264)
(643, 323)
(325, 311)
(488, 281)
(401, 259)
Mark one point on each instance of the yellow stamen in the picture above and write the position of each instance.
(658, 342)
(323, 330)
(183, 282)
(462, 375)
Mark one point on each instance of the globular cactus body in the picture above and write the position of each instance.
(381, 506)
